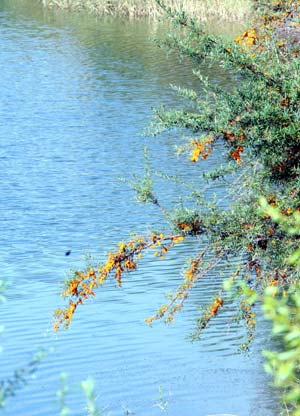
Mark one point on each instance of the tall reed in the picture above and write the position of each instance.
(230, 10)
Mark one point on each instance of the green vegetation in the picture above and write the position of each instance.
(284, 365)
(232, 10)
(257, 124)
(88, 388)
(284, 311)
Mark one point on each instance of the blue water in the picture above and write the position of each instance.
(76, 94)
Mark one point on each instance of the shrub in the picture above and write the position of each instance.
(257, 123)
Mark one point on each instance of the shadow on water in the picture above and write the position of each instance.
(76, 94)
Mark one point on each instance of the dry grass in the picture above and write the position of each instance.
(230, 10)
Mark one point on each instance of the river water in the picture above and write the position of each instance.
(76, 94)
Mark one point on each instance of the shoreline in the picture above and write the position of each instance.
(204, 10)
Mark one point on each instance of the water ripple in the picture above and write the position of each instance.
(76, 94)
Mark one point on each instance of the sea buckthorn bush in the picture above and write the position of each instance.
(256, 123)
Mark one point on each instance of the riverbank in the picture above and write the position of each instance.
(229, 10)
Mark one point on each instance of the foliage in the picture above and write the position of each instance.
(82, 285)
(161, 402)
(230, 10)
(62, 394)
(289, 222)
(186, 220)
(284, 365)
(284, 312)
(143, 186)
(88, 389)
(257, 123)
(10, 386)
